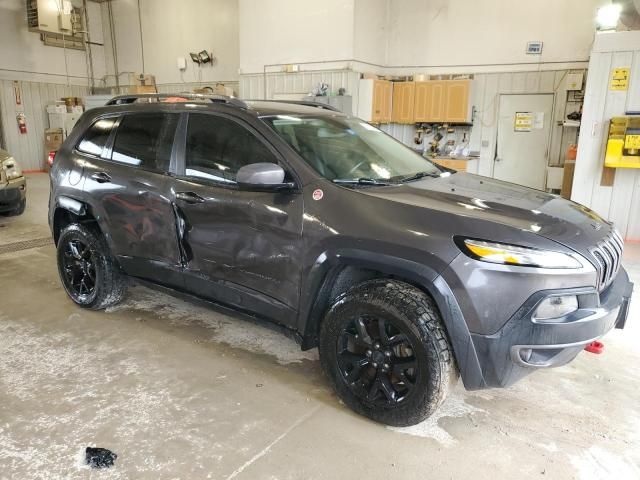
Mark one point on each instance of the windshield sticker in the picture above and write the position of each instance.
(318, 194)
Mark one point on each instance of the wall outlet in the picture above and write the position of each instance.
(182, 63)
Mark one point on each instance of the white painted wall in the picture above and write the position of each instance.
(170, 30)
(24, 57)
(619, 203)
(371, 31)
(479, 32)
(287, 31)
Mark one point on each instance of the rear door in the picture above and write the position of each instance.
(242, 247)
(130, 185)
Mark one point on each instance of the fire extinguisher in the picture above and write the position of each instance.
(22, 124)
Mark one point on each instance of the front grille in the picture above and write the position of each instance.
(608, 256)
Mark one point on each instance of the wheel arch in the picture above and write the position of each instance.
(70, 210)
(335, 272)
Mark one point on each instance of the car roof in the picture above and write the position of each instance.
(168, 101)
(278, 107)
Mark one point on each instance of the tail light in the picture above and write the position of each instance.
(51, 157)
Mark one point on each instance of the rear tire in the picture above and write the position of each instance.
(89, 273)
(385, 351)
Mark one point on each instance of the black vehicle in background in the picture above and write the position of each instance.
(404, 274)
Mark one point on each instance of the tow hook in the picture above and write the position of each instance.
(595, 347)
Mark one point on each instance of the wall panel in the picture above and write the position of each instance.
(29, 148)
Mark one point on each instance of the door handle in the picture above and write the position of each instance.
(101, 177)
(189, 197)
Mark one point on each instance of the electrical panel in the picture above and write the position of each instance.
(50, 16)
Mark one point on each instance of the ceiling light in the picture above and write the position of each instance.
(608, 16)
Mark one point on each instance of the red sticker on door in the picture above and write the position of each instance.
(318, 194)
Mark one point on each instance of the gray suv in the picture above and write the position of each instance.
(405, 274)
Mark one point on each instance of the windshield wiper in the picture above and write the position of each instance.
(418, 176)
(360, 181)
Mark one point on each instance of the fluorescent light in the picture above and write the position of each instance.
(607, 16)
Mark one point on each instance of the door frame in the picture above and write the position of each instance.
(548, 140)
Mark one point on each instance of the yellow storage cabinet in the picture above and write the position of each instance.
(375, 100)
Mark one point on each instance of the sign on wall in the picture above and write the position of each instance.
(527, 121)
(620, 78)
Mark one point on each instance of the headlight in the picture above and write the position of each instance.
(555, 307)
(513, 255)
(11, 168)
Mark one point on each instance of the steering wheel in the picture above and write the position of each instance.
(358, 165)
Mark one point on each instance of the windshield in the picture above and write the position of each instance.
(342, 148)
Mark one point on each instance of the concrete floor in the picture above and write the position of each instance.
(183, 391)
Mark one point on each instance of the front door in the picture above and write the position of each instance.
(524, 127)
(241, 247)
(128, 181)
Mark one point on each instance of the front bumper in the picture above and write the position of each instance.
(523, 344)
(12, 194)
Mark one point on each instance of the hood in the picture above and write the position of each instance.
(483, 198)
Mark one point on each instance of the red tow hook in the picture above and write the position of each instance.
(595, 347)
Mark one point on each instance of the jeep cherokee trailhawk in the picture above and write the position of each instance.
(402, 272)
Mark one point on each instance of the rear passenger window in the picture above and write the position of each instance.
(216, 148)
(96, 137)
(145, 140)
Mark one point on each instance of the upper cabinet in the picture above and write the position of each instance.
(403, 102)
(457, 107)
(374, 100)
(434, 101)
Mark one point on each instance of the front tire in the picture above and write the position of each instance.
(89, 273)
(384, 348)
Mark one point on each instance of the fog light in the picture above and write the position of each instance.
(555, 307)
(525, 354)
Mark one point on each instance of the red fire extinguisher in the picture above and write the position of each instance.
(22, 124)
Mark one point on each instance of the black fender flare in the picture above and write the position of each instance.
(323, 273)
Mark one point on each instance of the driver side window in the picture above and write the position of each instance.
(216, 148)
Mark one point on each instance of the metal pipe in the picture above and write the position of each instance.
(141, 40)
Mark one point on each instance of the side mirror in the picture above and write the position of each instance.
(262, 175)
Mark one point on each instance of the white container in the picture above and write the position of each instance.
(56, 108)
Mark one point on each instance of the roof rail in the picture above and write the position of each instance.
(135, 97)
(306, 103)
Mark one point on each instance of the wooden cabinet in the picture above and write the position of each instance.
(403, 102)
(457, 108)
(375, 100)
(445, 101)
(432, 101)
(454, 163)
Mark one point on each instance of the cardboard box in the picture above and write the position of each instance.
(140, 80)
(143, 89)
(52, 139)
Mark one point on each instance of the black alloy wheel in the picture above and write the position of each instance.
(377, 361)
(89, 273)
(79, 267)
